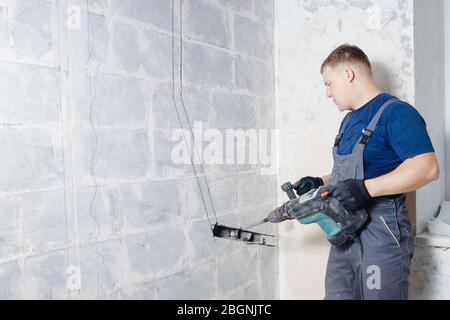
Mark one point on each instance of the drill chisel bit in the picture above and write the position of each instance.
(257, 223)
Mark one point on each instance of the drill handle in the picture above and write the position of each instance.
(289, 189)
(291, 194)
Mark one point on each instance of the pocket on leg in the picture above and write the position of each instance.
(390, 224)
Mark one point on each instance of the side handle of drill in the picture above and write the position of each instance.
(289, 189)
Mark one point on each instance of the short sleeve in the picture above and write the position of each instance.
(407, 131)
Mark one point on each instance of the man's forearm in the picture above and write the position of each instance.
(412, 174)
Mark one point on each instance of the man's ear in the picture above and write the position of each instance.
(350, 74)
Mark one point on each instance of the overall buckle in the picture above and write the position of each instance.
(367, 134)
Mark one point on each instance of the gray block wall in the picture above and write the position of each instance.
(91, 205)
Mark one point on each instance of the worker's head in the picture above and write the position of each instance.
(345, 71)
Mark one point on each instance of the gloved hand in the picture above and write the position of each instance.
(308, 183)
(351, 193)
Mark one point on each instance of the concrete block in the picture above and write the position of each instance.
(4, 27)
(264, 10)
(196, 102)
(205, 247)
(45, 277)
(148, 254)
(195, 284)
(223, 194)
(98, 4)
(111, 153)
(10, 279)
(89, 42)
(246, 167)
(10, 228)
(233, 111)
(44, 221)
(164, 165)
(164, 112)
(247, 292)
(254, 76)
(202, 242)
(165, 116)
(101, 270)
(99, 38)
(156, 12)
(115, 101)
(267, 187)
(207, 67)
(206, 22)
(34, 29)
(266, 114)
(219, 171)
(30, 94)
(252, 38)
(143, 291)
(269, 273)
(34, 159)
(230, 277)
(255, 191)
(156, 56)
(98, 213)
(192, 202)
(125, 52)
(248, 190)
(245, 6)
(150, 203)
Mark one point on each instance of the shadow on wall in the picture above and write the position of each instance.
(383, 77)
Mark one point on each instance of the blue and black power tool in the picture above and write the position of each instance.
(318, 206)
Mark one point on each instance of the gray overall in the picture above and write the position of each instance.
(376, 265)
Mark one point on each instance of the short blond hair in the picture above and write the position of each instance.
(346, 53)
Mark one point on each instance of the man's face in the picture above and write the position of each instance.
(337, 82)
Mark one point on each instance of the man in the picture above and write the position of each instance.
(382, 152)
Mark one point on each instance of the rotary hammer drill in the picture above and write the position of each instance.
(319, 206)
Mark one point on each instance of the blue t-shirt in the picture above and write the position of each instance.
(401, 133)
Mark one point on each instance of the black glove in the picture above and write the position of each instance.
(307, 183)
(351, 193)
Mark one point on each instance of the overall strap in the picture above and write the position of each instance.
(368, 132)
(344, 123)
